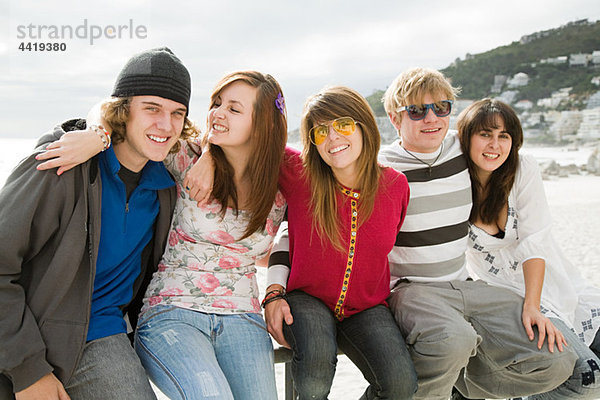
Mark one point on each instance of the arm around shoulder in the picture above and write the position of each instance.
(71, 144)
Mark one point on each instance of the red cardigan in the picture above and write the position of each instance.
(358, 278)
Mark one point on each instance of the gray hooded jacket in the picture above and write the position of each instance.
(49, 236)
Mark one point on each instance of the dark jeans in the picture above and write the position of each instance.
(371, 339)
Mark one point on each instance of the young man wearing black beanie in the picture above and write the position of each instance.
(79, 249)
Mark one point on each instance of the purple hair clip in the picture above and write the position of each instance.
(280, 103)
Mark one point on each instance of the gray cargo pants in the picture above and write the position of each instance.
(470, 334)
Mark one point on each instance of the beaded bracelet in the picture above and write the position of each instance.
(104, 135)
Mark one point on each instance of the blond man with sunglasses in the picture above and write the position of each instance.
(459, 331)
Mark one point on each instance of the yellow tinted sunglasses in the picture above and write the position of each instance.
(344, 126)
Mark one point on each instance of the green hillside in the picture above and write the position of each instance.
(475, 75)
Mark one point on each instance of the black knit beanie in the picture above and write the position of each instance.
(156, 72)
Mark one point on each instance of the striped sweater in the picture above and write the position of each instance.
(432, 242)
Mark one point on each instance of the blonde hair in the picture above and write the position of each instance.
(331, 103)
(411, 86)
(115, 113)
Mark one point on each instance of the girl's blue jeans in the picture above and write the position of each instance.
(194, 355)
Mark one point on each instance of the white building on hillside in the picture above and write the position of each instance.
(529, 120)
(546, 102)
(567, 124)
(590, 124)
(520, 79)
(594, 101)
(523, 104)
(508, 96)
(556, 98)
(551, 116)
(579, 60)
(555, 60)
(499, 81)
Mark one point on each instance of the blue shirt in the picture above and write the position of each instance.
(126, 229)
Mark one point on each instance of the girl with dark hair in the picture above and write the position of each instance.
(510, 244)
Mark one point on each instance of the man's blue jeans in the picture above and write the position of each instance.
(371, 339)
(194, 355)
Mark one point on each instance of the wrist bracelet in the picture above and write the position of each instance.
(104, 135)
(278, 291)
(271, 299)
(272, 294)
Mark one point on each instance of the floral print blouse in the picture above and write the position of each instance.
(205, 267)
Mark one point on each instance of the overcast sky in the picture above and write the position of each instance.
(305, 45)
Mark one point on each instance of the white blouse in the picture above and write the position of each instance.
(528, 235)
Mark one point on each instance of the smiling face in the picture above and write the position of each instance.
(230, 117)
(153, 127)
(425, 135)
(489, 149)
(341, 153)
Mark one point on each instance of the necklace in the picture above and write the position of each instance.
(430, 165)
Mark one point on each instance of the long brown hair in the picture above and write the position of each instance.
(485, 114)
(268, 138)
(327, 105)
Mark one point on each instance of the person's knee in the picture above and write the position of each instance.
(397, 381)
(315, 359)
(399, 388)
(313, 372)
(458, 344)
(544, 373)
(561, 367)
(462, 344)
(313, 385)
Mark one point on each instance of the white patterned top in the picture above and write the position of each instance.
(499, 262)
(205, 267)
